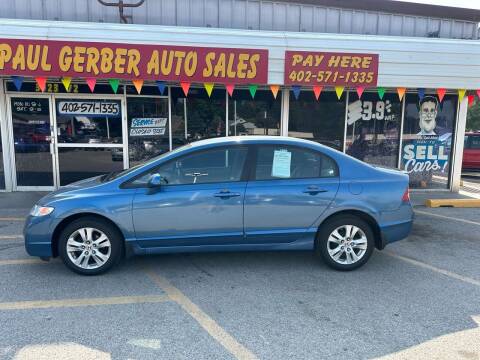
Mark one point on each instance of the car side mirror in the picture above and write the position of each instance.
(155, 183)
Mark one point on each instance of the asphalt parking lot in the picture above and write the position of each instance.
(417, 299)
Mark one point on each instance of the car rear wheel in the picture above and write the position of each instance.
(345, 242)
(90, 246)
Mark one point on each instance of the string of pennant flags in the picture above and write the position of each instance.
(317, 89)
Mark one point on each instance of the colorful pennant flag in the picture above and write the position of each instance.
(253, 90)
(138, 83)
(381, 92)
(208, 88)
(185, 87)
(401, 92)
(441, 93)
(66, 81)
(114, 84)
(274, 89)
(317, 90)
(41, 82)
(18, 81)
(339, 91)
(161, 87)
(360, 91)
(461, 94)
(230, 88)
(296, 91)
(91, 82)
(471, 98)
(421, 93)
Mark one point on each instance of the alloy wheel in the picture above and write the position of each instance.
(88, 248)
(347, 244)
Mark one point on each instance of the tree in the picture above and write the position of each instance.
(473, 117)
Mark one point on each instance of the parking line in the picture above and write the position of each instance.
(11, 237)
(45, 304)
(12, 219)
(22, 261)
(447, 217)
(205, 321)
(450, 274)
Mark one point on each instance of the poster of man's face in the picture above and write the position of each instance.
(427, 115)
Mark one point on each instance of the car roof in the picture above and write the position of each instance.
(253, 139)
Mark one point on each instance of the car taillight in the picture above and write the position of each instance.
(406, 195)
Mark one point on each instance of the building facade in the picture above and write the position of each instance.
(81, 95)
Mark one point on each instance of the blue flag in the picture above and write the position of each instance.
(161, 87)
(18, 81)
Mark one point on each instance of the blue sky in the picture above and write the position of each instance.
(470, 4)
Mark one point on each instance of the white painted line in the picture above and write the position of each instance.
(118, 300)
(450, 274)
(447, 217)
(205, 321)
(11, 237)
(22, 261)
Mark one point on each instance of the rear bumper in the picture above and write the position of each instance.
(396, 225)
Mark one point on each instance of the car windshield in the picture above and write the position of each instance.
(116, 174)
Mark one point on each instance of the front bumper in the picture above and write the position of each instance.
(37, 233)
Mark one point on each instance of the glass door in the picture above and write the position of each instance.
(33, 142)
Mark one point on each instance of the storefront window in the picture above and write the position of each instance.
(373, 128)
(317, 120)
(89, 121)
(197, 116)
(427, 140)
(148, 133)
(80, 163)
(2, 170)
(257, 116)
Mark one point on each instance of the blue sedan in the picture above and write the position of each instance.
(226, 194)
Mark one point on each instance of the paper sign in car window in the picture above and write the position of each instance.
(282, 160)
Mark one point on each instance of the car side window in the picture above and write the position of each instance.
(288, 162)
(475, 142)
(466, 145)
(209, 166)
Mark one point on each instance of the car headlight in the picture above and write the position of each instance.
(41, 210)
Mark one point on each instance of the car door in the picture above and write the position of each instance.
(290, 188)
(201, 202)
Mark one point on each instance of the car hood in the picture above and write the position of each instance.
(70, 189)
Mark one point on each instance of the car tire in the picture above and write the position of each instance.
(90, 246)
(340, 250)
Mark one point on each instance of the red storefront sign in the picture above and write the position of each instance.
(129, 61)
(327, 68)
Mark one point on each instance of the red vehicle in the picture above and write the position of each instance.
(471, 151)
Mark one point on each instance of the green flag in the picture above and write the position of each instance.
(114, 84)
(253, 90)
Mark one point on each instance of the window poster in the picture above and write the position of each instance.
(282, 160)
(427, 139)
(373, 128)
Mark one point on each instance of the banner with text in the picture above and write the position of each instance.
(326, 68)
(129, 61)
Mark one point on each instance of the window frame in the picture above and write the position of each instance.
(253, 164)
(128, 184)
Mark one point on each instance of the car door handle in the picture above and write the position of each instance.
(225, 194)
(314, 190)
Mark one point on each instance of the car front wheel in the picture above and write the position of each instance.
(90, 246)
(345, 242)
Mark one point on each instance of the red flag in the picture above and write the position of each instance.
(230, 88)
(471, 98)
(317, 90)
(441, 93)
(42, 82)
(91, 83)
(360, 91)
(185, 86)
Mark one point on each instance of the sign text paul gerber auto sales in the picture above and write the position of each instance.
(327, 68)
(129, 61)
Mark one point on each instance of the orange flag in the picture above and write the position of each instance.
(274, 89)
(401, 92)
(138, 85)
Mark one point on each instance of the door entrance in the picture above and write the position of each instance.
(33, 142)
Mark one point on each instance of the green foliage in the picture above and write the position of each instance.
(473, 117)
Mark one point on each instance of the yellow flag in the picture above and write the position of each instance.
(66, 82)
(138, 85)
(209, 88)
(461, 94)
(339, 91)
